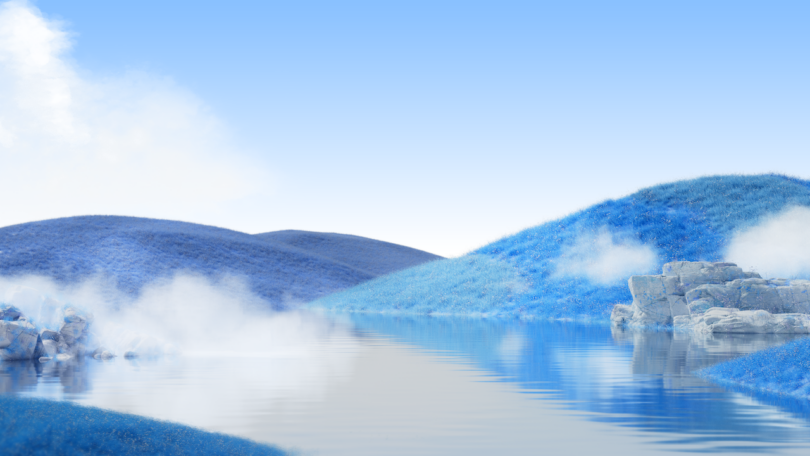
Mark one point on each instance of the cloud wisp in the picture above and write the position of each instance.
(605, 258)
(136, 144)
(779, 246)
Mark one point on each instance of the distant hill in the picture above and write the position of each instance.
(578, 266)
(368, 255)
(134, 252)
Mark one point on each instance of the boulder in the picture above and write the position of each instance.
(621, 314)
(18, 340)
(650, 303)
(73, 333)
(9, 313)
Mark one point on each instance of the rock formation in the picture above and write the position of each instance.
(19, 339)
(716, 297)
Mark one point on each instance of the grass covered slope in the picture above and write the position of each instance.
(578, 266)
(35, 426)
(134, 252)
(783, 370)
(369, 255)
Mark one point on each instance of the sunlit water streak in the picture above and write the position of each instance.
(370, 385)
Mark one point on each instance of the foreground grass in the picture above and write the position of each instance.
(40, 427)
(783, 370)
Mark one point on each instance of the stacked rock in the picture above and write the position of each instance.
(19, 338)
(695, 294)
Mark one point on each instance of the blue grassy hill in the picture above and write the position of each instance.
(134, 252)
(783, 370)
(373, 257)
(519, 276)
(40, 427)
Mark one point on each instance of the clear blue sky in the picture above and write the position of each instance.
(444, 125)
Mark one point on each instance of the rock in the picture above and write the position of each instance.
(9, 313)
(677, 305)
(49, 348)
(18, 340)
(75, 326)
(47, 334)
(650, 303)
(689, 289)
(64, 357)
(44, 359)
(724, 320)
(702, 305)
(621, 314)
(101, 353)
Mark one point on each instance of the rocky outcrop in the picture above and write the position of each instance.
(686, 292)
(19, 339)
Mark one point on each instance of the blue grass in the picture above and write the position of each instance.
(783, 370)
(133, 252)
(685, 220)
(40, 427)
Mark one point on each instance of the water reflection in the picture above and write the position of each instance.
(317, 386)
(639, 379)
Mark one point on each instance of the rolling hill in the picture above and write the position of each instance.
(284, 268)
(578, 266)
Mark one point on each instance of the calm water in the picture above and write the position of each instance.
(372, 385)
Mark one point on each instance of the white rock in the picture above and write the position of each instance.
(18, 340)
(690, 289)
(650, 303)
(621, 314)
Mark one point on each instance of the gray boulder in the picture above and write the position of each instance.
(18, 340)
(74, 332)
(9, 313)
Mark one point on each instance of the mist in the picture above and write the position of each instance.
(186, 315)
(605, 257)
(778, 246)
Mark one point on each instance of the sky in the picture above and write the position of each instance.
(441, 125)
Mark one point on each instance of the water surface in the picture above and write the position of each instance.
(373, 384)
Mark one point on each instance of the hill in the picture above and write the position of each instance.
(36, 426)
(578, 266)
(133, 252)
(368, 255)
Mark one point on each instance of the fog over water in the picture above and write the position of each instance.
(187, 314)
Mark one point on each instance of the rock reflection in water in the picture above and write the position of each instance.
(24, 376)
(675, 355)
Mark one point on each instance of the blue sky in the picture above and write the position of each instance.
(441, 125)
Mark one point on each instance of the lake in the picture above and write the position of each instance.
(362, 384)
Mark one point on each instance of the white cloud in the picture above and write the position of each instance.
(136, 144)
(779, 246)
(605, 258)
